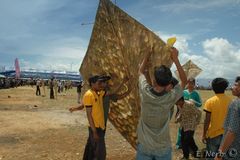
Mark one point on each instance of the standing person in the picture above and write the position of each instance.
(189, 117)
(59, 86)
(55, 86)
(79, 88)
(154, 141)
(38, 83)
(43, 87)
(108, 97)
(216, 109)
(80, 105)
(189, 94)
(230, 146)
(62, 86)
(31, 82)
(66, 86)
(93, 102)
(51, 85)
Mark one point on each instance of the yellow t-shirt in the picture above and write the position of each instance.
(95, 100)
(218, 107)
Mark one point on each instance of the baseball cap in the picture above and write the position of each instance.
(104, 78)
(93, 79)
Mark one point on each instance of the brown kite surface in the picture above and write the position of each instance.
(117, 46)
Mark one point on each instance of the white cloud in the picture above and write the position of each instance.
(220, 58)
(73, 48)
(219, 49)
(65, 54)
(45, 64)
(45, 34)
(223, 58)
(58, 54)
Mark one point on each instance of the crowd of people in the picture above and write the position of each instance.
(59, 85)
(11, 82)
(55, 86)
(158, 96)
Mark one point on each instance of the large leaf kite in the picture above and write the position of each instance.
(117, 46)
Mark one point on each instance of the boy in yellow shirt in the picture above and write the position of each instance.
(216, 110)
(93, 102)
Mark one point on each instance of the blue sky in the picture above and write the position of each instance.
(47, 34)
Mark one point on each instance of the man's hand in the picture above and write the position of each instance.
(177, 118)
(145, 61)
(204, 139)
(174, 54)
(80, 107)
(95, 136)
(72, 109)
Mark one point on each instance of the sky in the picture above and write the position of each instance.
(48, 34)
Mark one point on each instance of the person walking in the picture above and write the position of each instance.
(79, 88)
(43, 87)
(38, 83)
(55, 86)
(51, 85)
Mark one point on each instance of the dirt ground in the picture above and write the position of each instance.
(37, 128)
